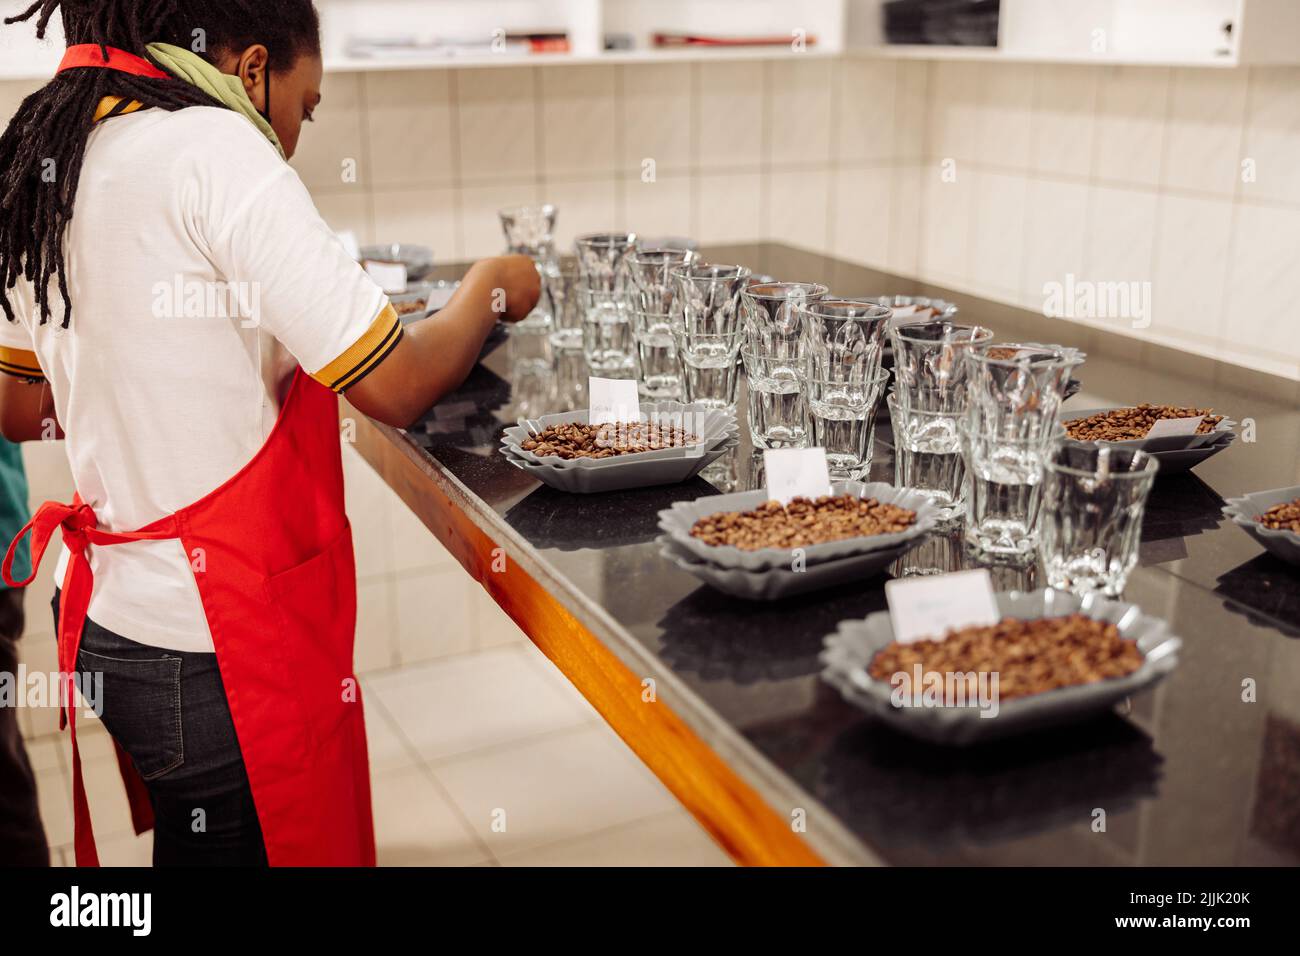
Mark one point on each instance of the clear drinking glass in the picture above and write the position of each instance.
(1016, 390)
(708, 330)
(532, 375)
(929, 371)
(843, 338)
(607, 335)
(563, 285)
(652, 280)
(772, 314)
(709, 368)
(842, 416)
(602, 259)
(1094, 498)
(928, 452)
(530, 231)
(1004, 485)
(778, 410)
(659, 376)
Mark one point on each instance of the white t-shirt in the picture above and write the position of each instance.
(199, 272)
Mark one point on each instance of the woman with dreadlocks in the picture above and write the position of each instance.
(176, 305)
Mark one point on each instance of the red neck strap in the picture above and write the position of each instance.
(92, 55)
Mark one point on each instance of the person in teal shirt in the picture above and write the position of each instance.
(22, 839)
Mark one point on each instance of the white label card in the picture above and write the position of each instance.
(391, 276)
(932, 605)
(1164, 427)
(613, 400)
(905, 312)
(796, 473)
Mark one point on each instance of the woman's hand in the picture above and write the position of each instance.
(516, 285)
(436, 353)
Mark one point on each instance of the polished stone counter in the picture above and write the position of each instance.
(1188, 774)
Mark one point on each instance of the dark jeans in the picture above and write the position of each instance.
(22, 840)
(168, 711)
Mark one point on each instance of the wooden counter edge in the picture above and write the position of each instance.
(737, 817)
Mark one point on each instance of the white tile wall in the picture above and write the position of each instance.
(1185, 178)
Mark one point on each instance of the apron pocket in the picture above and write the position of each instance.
(141, 708)
(316, 603)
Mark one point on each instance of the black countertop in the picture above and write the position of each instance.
(1189, 773)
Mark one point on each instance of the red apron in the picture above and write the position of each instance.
(271, 551)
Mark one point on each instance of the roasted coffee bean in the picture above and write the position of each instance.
(1283, 517)
(410, 308)
(803, 522)
(573, 440)
(1126, 424)
(1002, 353)
(1029, 657)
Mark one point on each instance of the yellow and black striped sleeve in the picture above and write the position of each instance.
(365, 354)
(20, 363)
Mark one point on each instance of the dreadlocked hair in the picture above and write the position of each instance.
(42, 149)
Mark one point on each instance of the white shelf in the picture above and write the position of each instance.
(994, 54)
(346, 64)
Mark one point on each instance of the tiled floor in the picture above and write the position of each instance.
(481, 752)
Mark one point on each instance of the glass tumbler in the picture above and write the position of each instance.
(658, 373)
(651, 270)
(1094, 498)
(602, 260)
(530, 231)
(1016, 390)
(708, 330)
(772, 313)
(1004, 485)
(842, 418)
(607, 334)
(929, 371)
(563, 285)
(843, 338)
(928, 453)
(778, 409)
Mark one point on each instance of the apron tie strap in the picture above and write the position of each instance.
(80, 528)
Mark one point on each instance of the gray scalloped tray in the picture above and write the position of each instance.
(850, 649)
(1152, 446)
(678, 520)
(1243, 511)
(777, 583)
(716, 425)
(1185, 459)
(639, 474)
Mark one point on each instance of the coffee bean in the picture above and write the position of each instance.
(1029, 656)
(1283, 517)
(803, 522)
(1126, 424)
(574, 440)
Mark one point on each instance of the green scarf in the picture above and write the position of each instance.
(228, 90)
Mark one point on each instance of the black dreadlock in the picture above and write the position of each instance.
(54, 123)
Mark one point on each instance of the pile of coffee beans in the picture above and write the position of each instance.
(803, 522)
(1126, 424)
(411, 307)
(1283, 517)
(1029, 657)
(572, 440)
